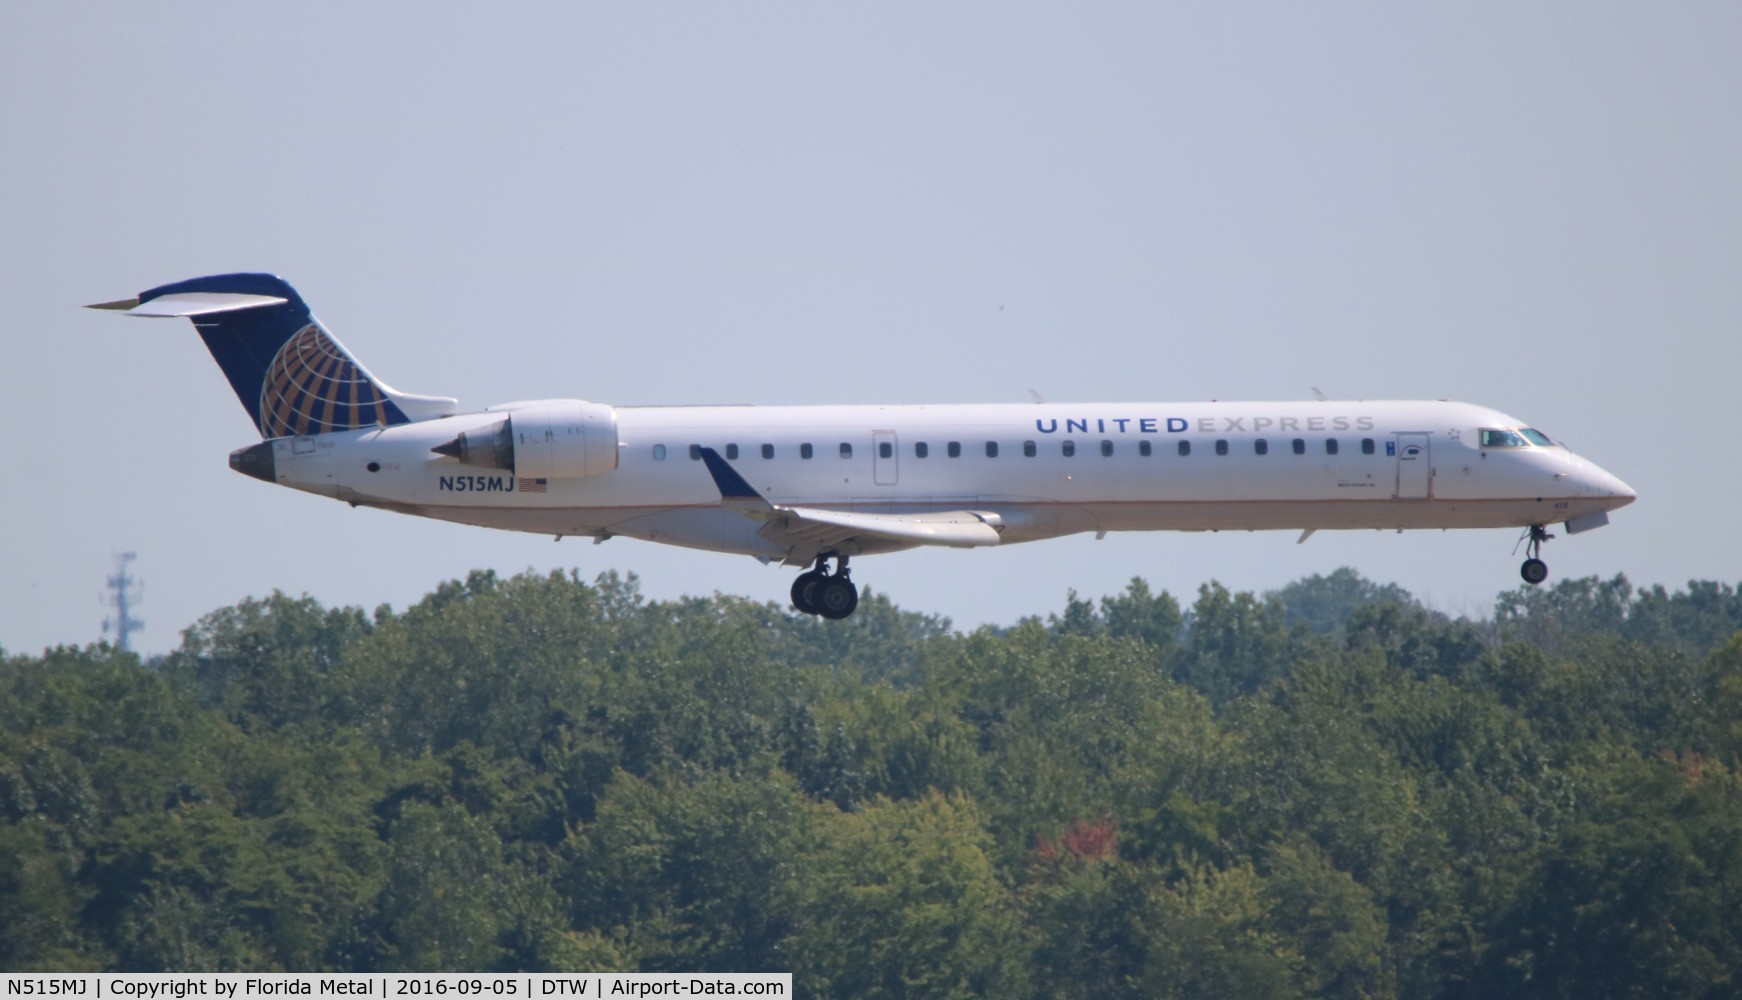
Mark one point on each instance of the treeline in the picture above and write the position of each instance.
(1324, 791)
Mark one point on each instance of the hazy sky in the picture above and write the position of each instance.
(1537, 207)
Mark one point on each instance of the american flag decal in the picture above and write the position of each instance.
(533, 485)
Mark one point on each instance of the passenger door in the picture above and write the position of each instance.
(1414, 469)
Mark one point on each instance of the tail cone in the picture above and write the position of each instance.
(255, 460)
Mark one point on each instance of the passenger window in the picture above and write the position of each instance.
(1185, 448)
(921, 449)
(955, 449)
(1221, 446)
(1028, 449)
(659, 453)
(767, 451)
(991, 449)
(1299, 446)
(1106, 449)
(1143, 448)
(805, 450)
(885, 450)
(1069, 448)
(1330, 446)
(1261, 446)
(846, 450)
(732, 452)
(1366, 446)
(695, 453)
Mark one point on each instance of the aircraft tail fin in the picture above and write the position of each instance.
(292, 376)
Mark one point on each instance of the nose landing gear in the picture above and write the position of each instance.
(1534, 570)
(830, 595)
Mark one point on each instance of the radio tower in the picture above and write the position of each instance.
(124, 593)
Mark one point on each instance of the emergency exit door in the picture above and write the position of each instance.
(884, 456)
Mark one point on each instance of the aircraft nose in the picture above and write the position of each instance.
(1620, 490)
(1599, 482)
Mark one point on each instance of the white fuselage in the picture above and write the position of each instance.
(1044, 469)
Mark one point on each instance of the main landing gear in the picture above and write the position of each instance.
(820, 592)
(1534, 569)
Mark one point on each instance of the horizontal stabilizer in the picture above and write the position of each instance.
(192, 304)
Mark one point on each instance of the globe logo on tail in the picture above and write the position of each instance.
(313, 387)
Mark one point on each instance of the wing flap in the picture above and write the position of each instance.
(962, 529)
(808, 530)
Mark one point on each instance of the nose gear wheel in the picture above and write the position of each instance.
(1534, 570)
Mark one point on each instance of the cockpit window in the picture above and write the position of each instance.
(1501, 438)
(1496, 438)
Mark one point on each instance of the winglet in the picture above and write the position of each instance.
(734, 490)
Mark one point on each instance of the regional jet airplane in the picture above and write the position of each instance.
(814, 486)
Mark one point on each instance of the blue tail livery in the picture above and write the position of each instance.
(292, 376)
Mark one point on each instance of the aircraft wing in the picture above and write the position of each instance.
(808, 531)
(962, 529)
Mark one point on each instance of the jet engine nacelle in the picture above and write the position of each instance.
(548, 439)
